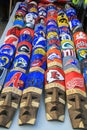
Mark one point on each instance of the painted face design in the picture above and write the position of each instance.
(29, 105)
(35, 79)
(24, 48)
(82, 54)
(29, 18)
(27, 31)
(42, 13)
(76, 99)
(70, 63)
(54, 57)
(14, 31)
(7, 49)
(5, 60)
(21, 62)
(40, 33)
(65, 36)
(63, 20)
(80, 35)
(52, 35)
(41, 20)
(77, 106)
(52, 13)
(15, 79)
(55, 103)
(67, 44)
(39, 41)
(39, 62)
(11, 39)
(8, 104)
(18, 17)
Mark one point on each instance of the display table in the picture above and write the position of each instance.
(41, 122)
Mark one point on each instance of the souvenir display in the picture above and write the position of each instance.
(45, 50)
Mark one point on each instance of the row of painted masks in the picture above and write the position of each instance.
(74, 79)
(34, 84)
(20, 38)
(54, 75)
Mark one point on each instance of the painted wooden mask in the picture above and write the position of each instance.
(29, 105)
(9, 100)
(55, 94)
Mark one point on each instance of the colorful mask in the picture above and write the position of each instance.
(67, 44)
(38, 60)
(25, 38)
(82, 53)
(54, 57)
(31, 96)
(76, 99)
(20, 61)
(55, 94)
(55, 103)
(71, 63)
(8, 49)
(15, 78)
(5, 60)
(29, 105)
(29, 20)
(13, 31)
(68, 52)
(24, 47)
